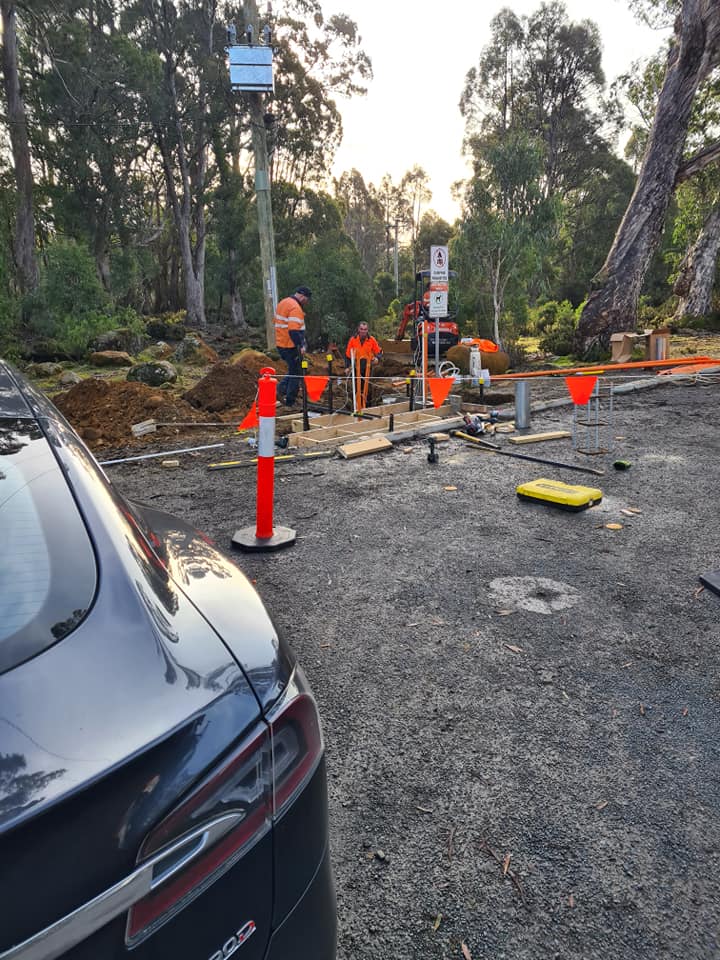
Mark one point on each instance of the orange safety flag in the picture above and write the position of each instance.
(485, 346)
(440, 388)
(580, 388)
(315, 387)
(250, 419)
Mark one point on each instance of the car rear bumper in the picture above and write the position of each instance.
(309, 932)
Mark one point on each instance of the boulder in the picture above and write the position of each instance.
(193, 349)
(69, 378)
(160, 350)
(123, 339)
(111, 358)
(160, 329)
(154, 374)
(43, 369)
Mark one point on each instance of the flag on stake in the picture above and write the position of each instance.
(580, 388)
(315, 387)
(250, 419)
(440, 388)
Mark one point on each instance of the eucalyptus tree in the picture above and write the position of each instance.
(24, 240)
(541, 74)
(506, 221)
(693, 55)
(91, 134)
(363, 218)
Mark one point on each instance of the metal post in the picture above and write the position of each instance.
(352, 379)
(306, 419)
(425, 363)
(262, 192)
(522, 405)
(329, 358)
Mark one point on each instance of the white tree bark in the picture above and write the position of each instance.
(696, 277)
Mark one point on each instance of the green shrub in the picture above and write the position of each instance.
(710, 322)
(546, 315)
(558, 336)
(75, 333)
(69, 292)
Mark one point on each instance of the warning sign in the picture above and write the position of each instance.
(438, 303)
(438, 264)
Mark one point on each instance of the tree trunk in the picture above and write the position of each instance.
(696, 277)
(25, 258)
(237, 311)
(612, 305)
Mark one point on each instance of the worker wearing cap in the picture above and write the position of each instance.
(290, 341)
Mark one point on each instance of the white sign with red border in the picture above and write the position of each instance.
(438, 264)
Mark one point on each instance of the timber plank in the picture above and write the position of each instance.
(541, 437)
(362, 447)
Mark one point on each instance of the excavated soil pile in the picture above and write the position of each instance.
(230, 388)
(103, 411)
(228, 385)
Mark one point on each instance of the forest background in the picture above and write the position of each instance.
(127, 178)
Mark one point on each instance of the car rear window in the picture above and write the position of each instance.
(47, 564)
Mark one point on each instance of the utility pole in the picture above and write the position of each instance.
(262, 189)
(397, 262)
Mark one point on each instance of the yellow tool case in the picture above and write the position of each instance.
(558, 494)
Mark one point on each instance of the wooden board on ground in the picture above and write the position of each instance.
(439, 437)
(541, 437)
(362, 447)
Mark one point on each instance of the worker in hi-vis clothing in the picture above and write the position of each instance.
(364, 346)
(363, 351)
(290, 341)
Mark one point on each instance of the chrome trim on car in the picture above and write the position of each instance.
(72, 929)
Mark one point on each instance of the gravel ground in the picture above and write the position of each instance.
(520, 705)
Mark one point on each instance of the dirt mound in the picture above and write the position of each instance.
(228, 385)
(103, 411)
(394, 368)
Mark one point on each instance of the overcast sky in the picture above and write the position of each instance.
(421, 51)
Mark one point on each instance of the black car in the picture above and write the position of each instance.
(162, 774)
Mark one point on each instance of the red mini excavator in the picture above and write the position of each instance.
(416, 312)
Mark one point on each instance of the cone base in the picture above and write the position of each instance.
(246, 540)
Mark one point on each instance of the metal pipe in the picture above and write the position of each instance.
(486, 445)
(522, 405)
(605, 368)
(163, 453)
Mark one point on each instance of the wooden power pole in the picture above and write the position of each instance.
(262, 190)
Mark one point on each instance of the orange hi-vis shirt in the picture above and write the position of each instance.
(289, 315)
(364, 350)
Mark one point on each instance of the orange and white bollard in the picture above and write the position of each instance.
(264, 536)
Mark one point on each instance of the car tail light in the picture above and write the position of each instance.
(230, 811)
